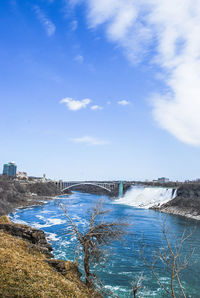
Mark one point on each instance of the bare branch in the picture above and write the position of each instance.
(170, 255)
(79, 235)
(99, 234)
(137, 284)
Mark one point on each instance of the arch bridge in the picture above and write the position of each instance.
(107, 186)
(113, 188)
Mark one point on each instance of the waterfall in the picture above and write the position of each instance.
(146, 197)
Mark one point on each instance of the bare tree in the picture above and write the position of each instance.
(98, 235)
(170, 254)
(137, 284)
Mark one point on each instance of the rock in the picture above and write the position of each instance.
(35, 237)
(186, 203)
(66, 268)
(58, 265)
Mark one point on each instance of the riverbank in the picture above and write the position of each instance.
(27, 270)
(122, 265)
(20, 194)
(186, 203)
(17, 194)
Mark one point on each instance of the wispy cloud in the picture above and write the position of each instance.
(74, 25)
(79, 59)
(88, 140)
(171, 28)
(75, 105)
(96, 107)
(48, 25)
(74, 2)
(123, 102)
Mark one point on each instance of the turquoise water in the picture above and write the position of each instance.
(123, 263)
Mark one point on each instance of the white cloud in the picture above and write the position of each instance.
(48, 25)
(171, 28)
(96, 107)
(123, 102)
(79, 59)
(88, 140)
(75, 105)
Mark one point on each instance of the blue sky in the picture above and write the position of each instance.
(106, 90)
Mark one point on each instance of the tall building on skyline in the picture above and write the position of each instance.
(10, 169)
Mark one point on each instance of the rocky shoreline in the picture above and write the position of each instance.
(186, 203)
(27, 267)
(38, 273)
(15, 194)
(181, 212)
(36, 238)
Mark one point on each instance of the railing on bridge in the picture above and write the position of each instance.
(109, 186)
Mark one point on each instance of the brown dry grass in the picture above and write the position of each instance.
(4, 219)
(23, 273)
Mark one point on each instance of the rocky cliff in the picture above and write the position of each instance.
(27, 270)
(186, 203)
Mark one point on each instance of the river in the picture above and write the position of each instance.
(123, 261)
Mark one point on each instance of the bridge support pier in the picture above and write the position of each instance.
(121, 189)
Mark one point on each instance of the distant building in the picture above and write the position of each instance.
(10, 169)
(155, 181)
(22, 175)
(44, 179)
(163, 180)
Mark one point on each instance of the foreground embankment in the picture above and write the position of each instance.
(186, 203)
(15, 194)
(27, 270)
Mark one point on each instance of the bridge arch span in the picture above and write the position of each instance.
(93, 184)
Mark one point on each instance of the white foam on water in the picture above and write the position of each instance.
(79, 220)
(63, 243)
(73, 238)
(47, 211)
(115, 289)
(56, 221)
(40, 217)
(48, 223)
(52, 237)
(40, 226)
(18, 221)
(147, 197)
(124, 273)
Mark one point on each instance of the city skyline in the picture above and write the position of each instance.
(101, 90)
